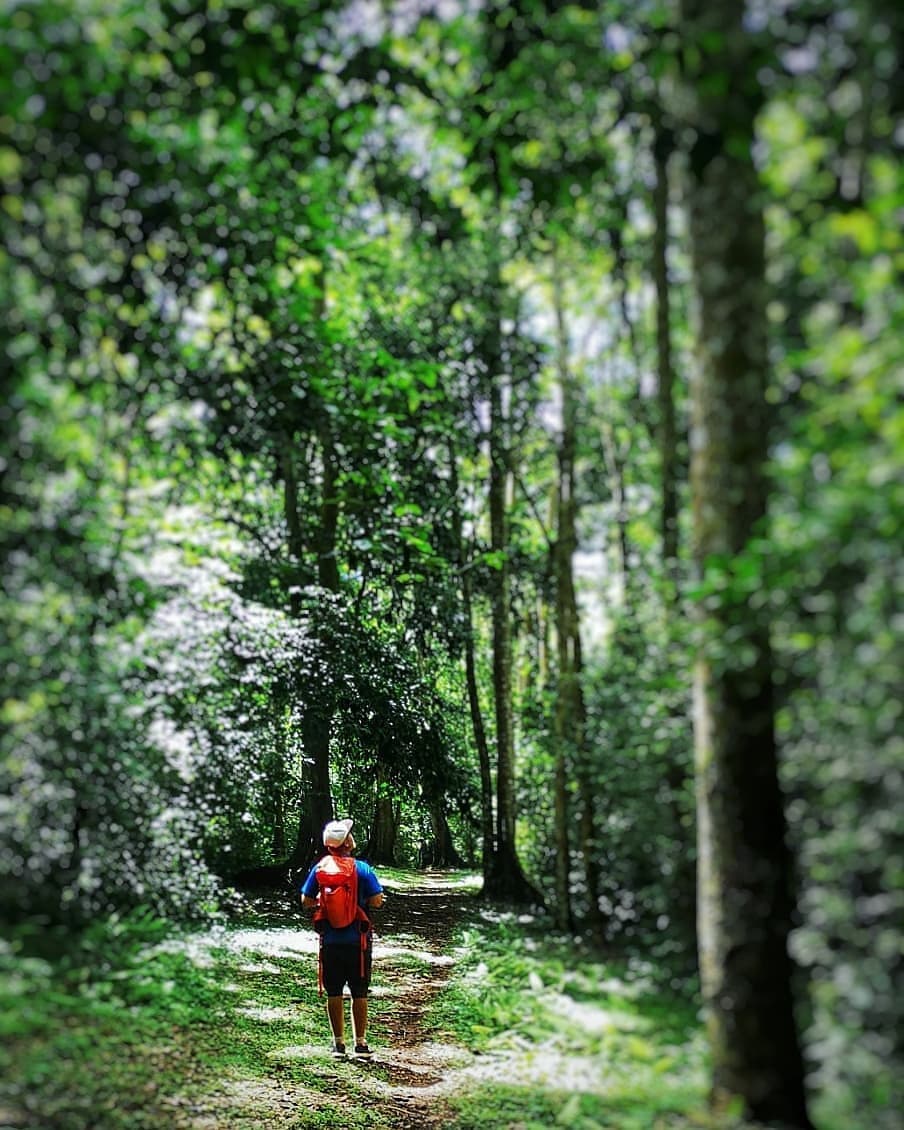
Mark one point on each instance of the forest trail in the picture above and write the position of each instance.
(401, 1086)
(410, 1069)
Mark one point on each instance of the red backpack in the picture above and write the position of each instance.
(337, 902)
(337, 882)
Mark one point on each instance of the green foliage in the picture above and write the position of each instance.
(604, 1046)
(639, 754)
(833, 572)
(253, 259)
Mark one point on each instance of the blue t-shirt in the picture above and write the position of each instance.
(368, 886)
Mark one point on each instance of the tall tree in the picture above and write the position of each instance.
(568, 722)
(465, 564)
(668, 446)
(744, 896)
(506, 878)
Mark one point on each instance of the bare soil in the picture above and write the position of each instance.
(413, 1067)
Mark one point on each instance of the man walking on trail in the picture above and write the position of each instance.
(345, 934)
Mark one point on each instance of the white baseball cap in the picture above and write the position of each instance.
(336, 832)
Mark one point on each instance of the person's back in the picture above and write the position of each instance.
(346, 951)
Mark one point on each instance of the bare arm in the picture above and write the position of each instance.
(375, 901)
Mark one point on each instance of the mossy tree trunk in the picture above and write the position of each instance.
(505, 878)
(569, 699)
(465, 565)
(668, 443)
(744, 899)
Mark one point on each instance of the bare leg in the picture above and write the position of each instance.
(336, 1013)
(359, 1019)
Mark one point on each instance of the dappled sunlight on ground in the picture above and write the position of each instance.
(262, 942)
(593, 1019)
(267, 1015)
(400, 949)
(444, 881)
(412, 1075)
(260, 967)
(584, 1045)
(262, 1102)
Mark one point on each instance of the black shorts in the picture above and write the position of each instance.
(342, 966)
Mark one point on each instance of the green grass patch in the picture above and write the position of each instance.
(571, 1039)
(402, 879)
(137, 1024)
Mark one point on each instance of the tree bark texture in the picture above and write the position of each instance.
(502, 626)
(443, 853)
(668, 450)
(316, 807)
(568, 690)
(744, 899)
(480, 738)
(381, 847)
(506, 880)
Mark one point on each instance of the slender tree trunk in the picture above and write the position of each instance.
(616, 473)
(745, 903)
(502, 626)
(384, 833)
(315, 801)
(567, 686)
(316, 796)
(276, 783)
(480, 737)
(587, 793)
(668, 450)
(542, 645)
(677, 772)
(327, 564)
(506, 880)
(295, 538)
(479, 730)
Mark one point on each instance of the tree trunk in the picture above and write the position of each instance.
(616, 472)
(295, 539)
(316, 798)
(327, 564)
(745, 903)
(668, 451)
(384, 833)
(567, 687)
(506, 879)
(480, 737)
(444, 853)
(587, 790)
(276, 782)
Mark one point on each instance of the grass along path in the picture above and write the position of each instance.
(224, 1028)
(479, 1019)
